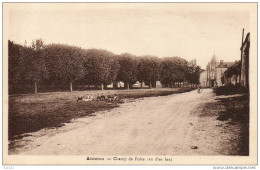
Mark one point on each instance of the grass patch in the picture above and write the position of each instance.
(236, 112)
(32, 112)
(233, 114)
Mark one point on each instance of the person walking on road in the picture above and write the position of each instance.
(199, 89)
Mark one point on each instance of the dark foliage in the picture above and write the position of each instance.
(230, 89)
(57, 67)
(101, 66)
(128, 69)
(149, 69)
(173, 69)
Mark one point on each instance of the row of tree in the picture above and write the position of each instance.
(64, 65)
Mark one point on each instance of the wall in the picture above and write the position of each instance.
(220, 72)
(245, 62)
(203, 79)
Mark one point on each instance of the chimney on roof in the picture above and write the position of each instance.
(221, 62)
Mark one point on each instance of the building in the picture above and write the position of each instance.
(215, 72)
(239, 72)
(211, 71)
(203, 78)
(245, 61)
(220, 69)
(233, 73)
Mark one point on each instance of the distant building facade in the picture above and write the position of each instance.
(221, 68)
(203, 78)
(215, 72)
(211, 71)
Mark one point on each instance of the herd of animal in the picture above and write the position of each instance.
(100, 97)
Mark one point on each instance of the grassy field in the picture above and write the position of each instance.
(32, 112)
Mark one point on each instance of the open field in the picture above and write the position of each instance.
(179, 124)
(32, 112)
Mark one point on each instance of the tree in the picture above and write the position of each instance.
(193, 73)
(37, 71)
(173, 69)
(128, 69)
(27, 63)
(180, 70)
(101, 67)
(16, 65)
(65, 63)
(148, 69)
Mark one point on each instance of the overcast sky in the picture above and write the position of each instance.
(162, 30)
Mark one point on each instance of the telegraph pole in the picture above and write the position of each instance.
(242, 44)
(241, 55)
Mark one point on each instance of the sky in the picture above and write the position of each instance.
(190, 31)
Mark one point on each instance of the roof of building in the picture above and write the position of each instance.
(235, 69)
(214, 59)
(202, 70)
(247, 39)
(225, 64)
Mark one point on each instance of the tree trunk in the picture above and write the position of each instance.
(127, 86)
(82, 86)
(102, 86)
(141, 84)
(35, 88)
(154, 84)
(115, 85)
(150, 85)
(71, 90)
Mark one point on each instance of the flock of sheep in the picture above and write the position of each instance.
(101, 97)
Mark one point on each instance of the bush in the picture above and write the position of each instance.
(230, 89)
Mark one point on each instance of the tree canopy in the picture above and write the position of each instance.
(101, 66)
(59, 64)
(128, 68)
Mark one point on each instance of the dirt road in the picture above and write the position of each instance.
(165, 125)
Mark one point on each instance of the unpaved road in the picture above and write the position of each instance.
(165, 125)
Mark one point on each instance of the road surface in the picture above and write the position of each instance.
(165, 125)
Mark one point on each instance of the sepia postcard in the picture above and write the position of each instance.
(130, 83)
